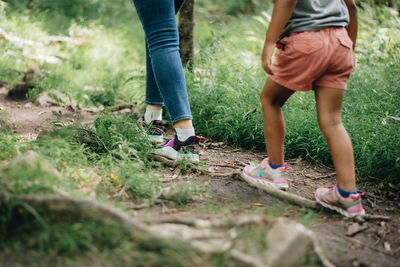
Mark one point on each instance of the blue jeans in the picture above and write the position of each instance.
(165, 82)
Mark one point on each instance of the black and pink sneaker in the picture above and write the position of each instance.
(154, 130)
(177, 150)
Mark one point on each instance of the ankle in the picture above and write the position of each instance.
(151, 114)
(276, 166)
(345, 193)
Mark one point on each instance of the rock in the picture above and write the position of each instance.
(53, 98)
(20, 89)
(359, 219)
(287, 241)
(356, 228)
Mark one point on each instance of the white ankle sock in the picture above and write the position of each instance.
(151, 115)
(184, 134)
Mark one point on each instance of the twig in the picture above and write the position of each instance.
(17, 40)
(240, 163)
(63, 39)
(296, 199)
(141, 206)
(222, 174)
(121, 107)
(172, 163)
(91, 133)
(321, 176)
(223, 165)
(370, 217)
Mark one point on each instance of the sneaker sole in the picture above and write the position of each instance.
(341, 211)
(157, 139)
(253, 181)
(171, 153)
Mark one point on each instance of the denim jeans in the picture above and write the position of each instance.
(165, 80)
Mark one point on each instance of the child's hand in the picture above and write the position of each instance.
(266, 58)
(280, 15)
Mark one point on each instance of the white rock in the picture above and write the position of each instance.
(53, 98)
(287, 241)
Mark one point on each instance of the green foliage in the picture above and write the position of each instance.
(8, 148)
(8, 143)
(122, 137)
(132, 177)
(233, 8)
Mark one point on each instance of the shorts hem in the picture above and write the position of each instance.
(332, 85)
(288, 85)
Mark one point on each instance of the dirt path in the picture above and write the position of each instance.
(227, 195)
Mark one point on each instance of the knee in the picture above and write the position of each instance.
(328, 121)
(162, 36)
(268, 101)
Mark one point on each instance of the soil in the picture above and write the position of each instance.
(227, 195)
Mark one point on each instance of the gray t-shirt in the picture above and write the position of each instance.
(314, 15)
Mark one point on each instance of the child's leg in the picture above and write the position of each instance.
(272, 98)
(329, 104)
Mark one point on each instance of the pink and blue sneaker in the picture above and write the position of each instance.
(331, 198)
(176, 150)
(265, 175)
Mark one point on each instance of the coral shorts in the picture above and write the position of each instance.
(310, 59)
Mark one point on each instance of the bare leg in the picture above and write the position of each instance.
(272, 98)
(155, 107)
(329, 104)
(183, 124)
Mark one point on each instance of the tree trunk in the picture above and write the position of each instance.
(186, 29)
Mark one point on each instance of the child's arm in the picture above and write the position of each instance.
(280, 15)
(352, 28)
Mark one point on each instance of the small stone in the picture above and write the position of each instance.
(359, 219)
(356, 228)
(387, 246)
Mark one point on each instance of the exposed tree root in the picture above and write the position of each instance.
(293, 198)
(81, 207)
(219, 223)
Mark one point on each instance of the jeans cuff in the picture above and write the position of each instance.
(182, 117)
(154, 103)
